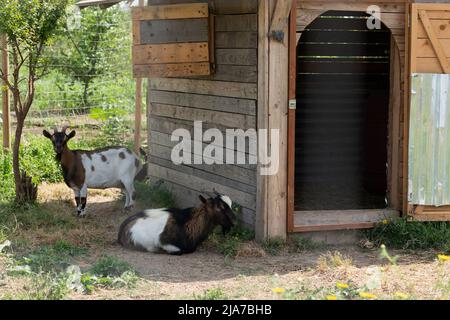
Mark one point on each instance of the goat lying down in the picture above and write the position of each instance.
(111, 167)
(176, 231)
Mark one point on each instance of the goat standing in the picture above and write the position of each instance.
(111, 167)
(176, 231)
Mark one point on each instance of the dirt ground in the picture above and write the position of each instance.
(322, 273)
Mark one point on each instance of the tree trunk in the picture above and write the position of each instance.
(16, 149)
(26, 191)
(85, 97)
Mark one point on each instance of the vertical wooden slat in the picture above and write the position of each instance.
(410, 66)
(278, 110)
(261, 218)
(138, 110)
(5, 95)
(291, 115)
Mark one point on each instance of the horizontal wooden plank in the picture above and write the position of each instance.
(232, 105)
(171, 53)
(174, 11)
(239, 22)
(429, 65)
(349, 6)
(216, 88)
(244, 199)
(185, 197)
(171, 70)
(231, 120)
(242, 57)
(233, 73)
(169, 125)
(164, 133)
(174, 31)
(336, 217)
(235, 6)
(167, 2)
(236, 40)
(426, 50)
(245, 173)
(224, 174)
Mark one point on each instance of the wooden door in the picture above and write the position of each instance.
(428, 142)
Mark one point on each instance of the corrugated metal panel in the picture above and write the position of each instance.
(429, 140)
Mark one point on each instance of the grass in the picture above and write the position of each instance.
(212, 294)
(273, 246)
(153, 196)
(51, 258)
(412, 235)
(230, 244)
(108, 266)
(332, 260)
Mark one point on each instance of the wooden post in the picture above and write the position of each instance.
(138, 111)
(5, 96)
(138, 115)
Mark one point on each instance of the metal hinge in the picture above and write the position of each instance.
(293, 104)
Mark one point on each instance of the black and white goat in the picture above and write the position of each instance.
(111, 167)
(176, 231)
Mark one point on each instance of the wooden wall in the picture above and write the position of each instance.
(394, 17)
(226, 99)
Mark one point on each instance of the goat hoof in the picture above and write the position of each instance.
(128, 209)
(81, 214)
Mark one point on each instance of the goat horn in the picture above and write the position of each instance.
(64, 128)
(55, 129)
(215, 192)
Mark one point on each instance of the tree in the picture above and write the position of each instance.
(82, 53)
(29, 25)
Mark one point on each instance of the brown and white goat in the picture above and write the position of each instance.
(176, 231)
(111, 167)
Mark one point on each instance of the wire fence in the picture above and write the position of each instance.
(89, 84)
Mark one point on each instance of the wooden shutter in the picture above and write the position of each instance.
(171, 40)
(429, 114)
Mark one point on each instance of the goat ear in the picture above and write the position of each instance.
(47, 134)
(71, 135)
(202, 199)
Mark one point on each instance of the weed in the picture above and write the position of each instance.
(51, 258)
(297, 243)
(384, 254)
(230, 244)
(273, 246)
(403, 234)
(90, 282)
(212, 294)
(46, 286)
(332, 260)
(108, 266)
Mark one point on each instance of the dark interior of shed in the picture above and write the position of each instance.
(342, 114)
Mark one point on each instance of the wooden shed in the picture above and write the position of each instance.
(332, 78)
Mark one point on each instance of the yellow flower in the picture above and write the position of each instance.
(341, 285)
(401, 295)
(443, 257)
(331, 298)
(278, 290)
(367, 295)
(385, 221)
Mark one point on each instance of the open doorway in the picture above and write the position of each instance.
(342, 116)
